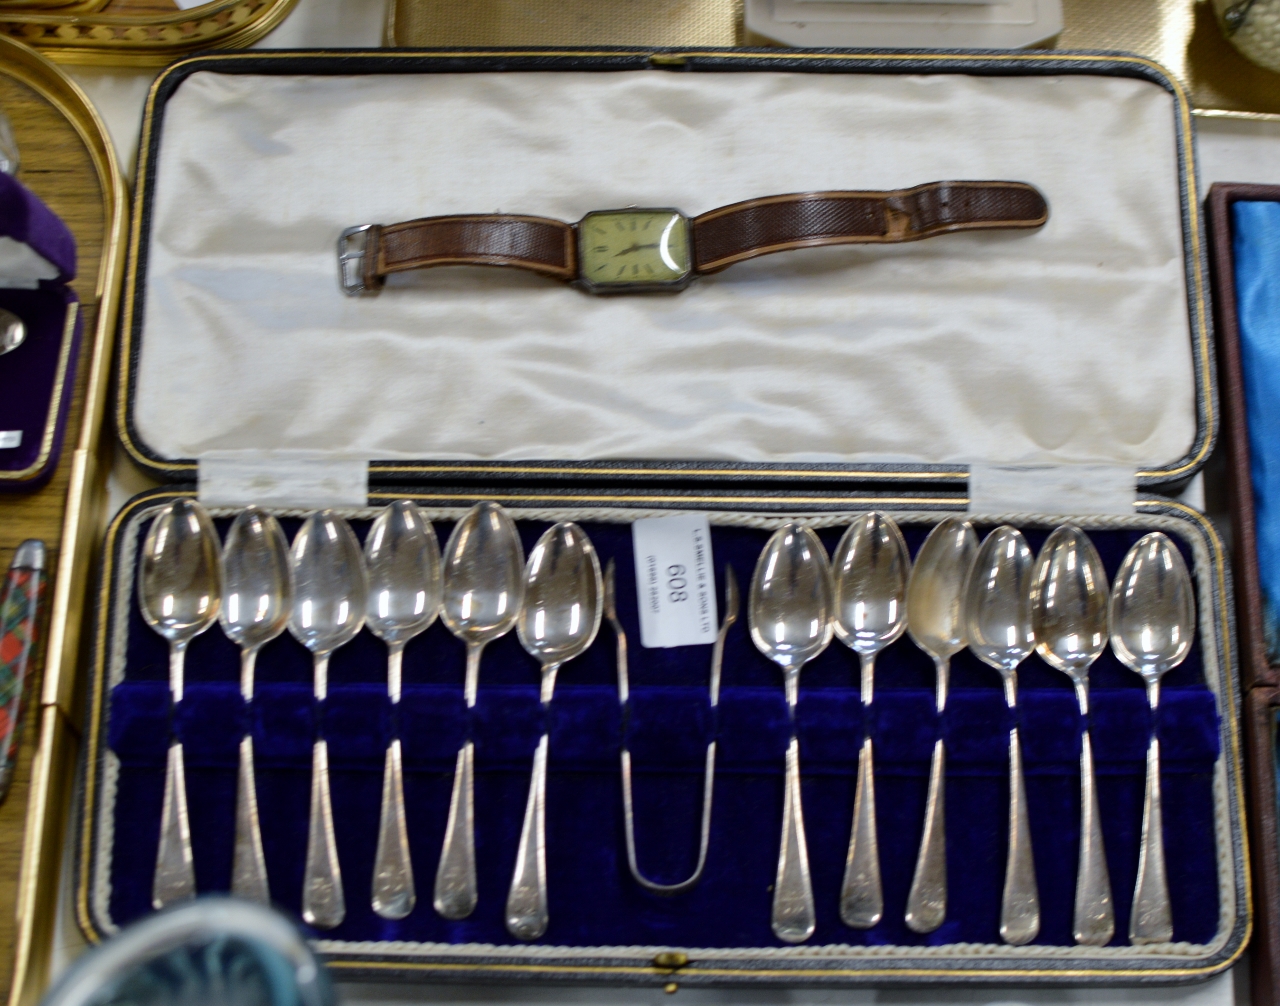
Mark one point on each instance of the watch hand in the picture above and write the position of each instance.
(628, 251)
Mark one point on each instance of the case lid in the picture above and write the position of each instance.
(1084, 343)
(36, 248)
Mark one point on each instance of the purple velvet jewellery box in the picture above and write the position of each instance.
(818, 386)
(37, 261)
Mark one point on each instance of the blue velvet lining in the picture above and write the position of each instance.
(593, 900)
(1256, 240)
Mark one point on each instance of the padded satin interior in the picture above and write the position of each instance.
(1070, 344)
(593, 900)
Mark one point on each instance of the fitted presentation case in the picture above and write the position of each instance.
(1259, 675)
(995, 374)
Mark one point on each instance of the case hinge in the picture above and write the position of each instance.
(311, 480)
(1051, 489)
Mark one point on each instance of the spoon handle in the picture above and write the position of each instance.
(1151, 920)
(456, 891)
(1095, 919)
(175, 877)
(793, 916)
(927, 900)
(527, 916)
(248, 864)
(393, 891)
(1020, 907)
(861, 897)
(323, 904)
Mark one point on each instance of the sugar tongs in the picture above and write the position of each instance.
(709, 771)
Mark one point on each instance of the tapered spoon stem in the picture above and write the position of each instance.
(248, 863)
(1020, 905)
(471, 682)
(794, 918)
(927, 899)
(393, 890)
(1095, 921)
(527, 914)
(175, 878)
(861, 897)
(323, 903)
(1151, 920)
(456, 890)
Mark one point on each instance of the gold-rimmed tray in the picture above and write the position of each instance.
(68, 160)
(139, 32)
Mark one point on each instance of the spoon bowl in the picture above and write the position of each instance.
(13, 333)
(1153, 623)
(483, 589)
(402, 558)
(1001, 633)
(869, 573)
(789, 611)
(331, 592)
(563, 605)
(1069, 614)
(257, 595)
(179, 594)
(935, 620)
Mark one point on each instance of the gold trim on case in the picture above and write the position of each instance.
(58, 739)
(1190, 515)
(1200, 333)
(55, 403)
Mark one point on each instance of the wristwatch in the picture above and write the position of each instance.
(636, 250)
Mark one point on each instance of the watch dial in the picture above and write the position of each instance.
(621, 248)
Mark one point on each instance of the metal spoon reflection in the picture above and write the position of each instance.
(1069, 611)
(869, 573)
(1153, 622)
(483, 589)
(935, 620)
(789, 614)
(179, 592)
(559, 620)
(998, 622)
(330, 594)
(402, 558)
(257, 595)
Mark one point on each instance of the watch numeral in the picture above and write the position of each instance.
(621, 269)
(648, 268)
(600, 248)
(618, 224)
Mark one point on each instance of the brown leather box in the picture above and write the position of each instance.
(1260, 678)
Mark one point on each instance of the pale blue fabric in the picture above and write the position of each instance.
(1257, 258)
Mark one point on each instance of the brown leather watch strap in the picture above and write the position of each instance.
(539, 244)
(744, 230)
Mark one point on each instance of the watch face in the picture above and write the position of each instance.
(634, 249)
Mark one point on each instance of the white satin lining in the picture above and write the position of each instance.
(1067, 345)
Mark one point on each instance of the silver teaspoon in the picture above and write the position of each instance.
(869, 573)
(483, 590)
(998, 622)
(563, 592)
(13, 333)
(789, 615)
(179, 592)
(402, 558)
(1153, 621)
(257, 595)
(1069, 613)
(935, 620)
(330, 595)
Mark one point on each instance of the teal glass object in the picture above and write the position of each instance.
(213, 951)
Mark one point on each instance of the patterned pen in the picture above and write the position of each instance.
(19, 622)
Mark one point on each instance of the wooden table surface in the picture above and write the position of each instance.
(56, 165)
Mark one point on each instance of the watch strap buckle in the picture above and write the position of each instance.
(354, 244)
